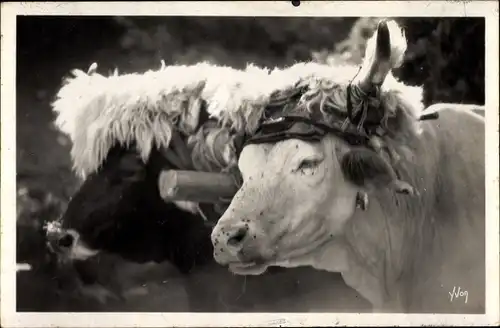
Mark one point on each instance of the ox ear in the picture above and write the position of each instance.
(384, 51)
(370, 171)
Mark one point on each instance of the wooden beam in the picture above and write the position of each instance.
(196, 186)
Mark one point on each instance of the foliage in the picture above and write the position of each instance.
(446, 56)
(232, 41)
(352, 48)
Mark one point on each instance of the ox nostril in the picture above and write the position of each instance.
(238, 237)
(66, 241)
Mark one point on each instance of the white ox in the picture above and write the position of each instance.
(403, 253)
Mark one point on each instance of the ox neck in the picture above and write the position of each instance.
(394, 259)
(407, 254)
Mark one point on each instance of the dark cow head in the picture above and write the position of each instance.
(119, 210)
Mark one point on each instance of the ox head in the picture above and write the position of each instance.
(89, 223)
(298, 194)
(118, 209)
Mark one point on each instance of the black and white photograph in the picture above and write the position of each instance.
(231, 164)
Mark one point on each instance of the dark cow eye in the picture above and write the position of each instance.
(308, 166)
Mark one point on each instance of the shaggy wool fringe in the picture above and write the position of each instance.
(97, 111)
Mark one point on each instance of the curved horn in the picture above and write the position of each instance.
(384, 51)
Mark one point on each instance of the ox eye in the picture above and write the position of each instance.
(308, 166)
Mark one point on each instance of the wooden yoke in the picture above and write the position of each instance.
(195, 186)
(187, 184)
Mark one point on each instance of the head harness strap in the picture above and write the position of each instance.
(361, 122)
(303, 128)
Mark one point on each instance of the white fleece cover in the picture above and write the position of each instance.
(96, 111)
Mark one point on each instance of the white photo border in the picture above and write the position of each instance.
(9, 11)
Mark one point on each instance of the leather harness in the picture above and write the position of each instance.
(352, 128)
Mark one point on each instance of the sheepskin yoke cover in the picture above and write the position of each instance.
(98, 111)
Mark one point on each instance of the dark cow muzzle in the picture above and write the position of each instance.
(66, 244)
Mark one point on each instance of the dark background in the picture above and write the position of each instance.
(446, 56)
